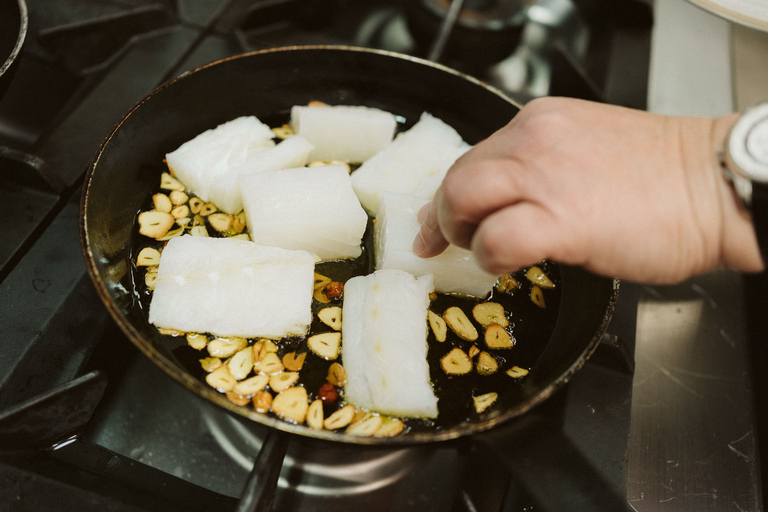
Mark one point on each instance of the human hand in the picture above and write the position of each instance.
(623, 193)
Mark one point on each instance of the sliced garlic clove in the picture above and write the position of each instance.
(340, 418)
(178, 197)
(170, 332)
(270, 365)
(283, 381)
(497, 338)
(251, 385)
(315, 415)
(220, 379)
(320, 296)
(150, 278)
(321, 281)
(168, 182)
(456, 362)
(195, 205)
(538, 277)
(259, 351)
(155, 224)
(237, 399)
(221, 222)
(482, 402)
(507, 284)
(239, 223)
(337, 375)
(516, 372)
(283, 132)
(241, 363)
(293, 361)
(458, 322)
(291, 404)
(162, 202)
(148, 257)
(262, 401)
(487, 313)
(331, 317)
(390, 427)
(365, 427)
(172, 234)
(226, 347)
(198, 231)
(537, 296)
(325, 345)
(180, 212)
(211, 364)
(197, 341)
(207, 209)
(486, 364)
(438, 325)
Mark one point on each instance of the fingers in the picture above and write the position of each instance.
(430, 240)
(516, 237)
(476, 185)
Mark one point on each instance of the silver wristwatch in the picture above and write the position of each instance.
(745, 162)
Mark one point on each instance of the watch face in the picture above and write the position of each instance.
(748, 144)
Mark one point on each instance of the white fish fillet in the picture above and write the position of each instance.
(231, 287)
(312, 209)
(292, 152)
(342, 132)
(384, 344)
(210, 163)
(414, 163)
(455, 270)
(288, 154)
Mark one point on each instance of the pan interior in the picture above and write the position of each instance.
(267, 85)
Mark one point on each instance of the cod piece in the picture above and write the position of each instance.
(312, 209)
(414, 163)
(455, 270)
(346, 133)
(230, 287)
(384, 344)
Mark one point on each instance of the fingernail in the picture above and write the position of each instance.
(418, 245)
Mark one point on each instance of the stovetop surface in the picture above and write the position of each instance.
(692, 440)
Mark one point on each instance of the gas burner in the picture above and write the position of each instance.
(318, 469)
(476, 32)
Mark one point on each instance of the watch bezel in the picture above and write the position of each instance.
(738, 159)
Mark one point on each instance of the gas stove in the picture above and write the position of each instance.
(88, 422)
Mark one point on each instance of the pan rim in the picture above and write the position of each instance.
(23, 27)
(211, 395)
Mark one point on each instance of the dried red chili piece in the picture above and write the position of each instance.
(334, 290)
(328, 393)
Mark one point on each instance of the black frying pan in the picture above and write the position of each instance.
(13, 31)
(267, 84)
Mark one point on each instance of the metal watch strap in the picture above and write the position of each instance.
(759, 209)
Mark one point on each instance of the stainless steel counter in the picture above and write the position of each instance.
(693, 434)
